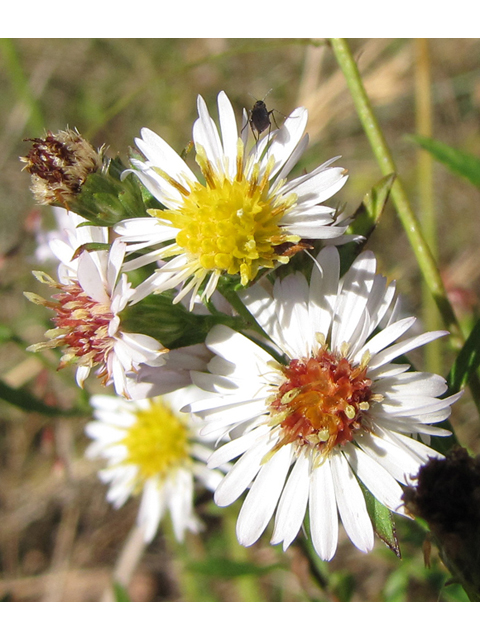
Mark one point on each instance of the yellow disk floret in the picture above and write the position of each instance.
(231, 225)
(157, 442)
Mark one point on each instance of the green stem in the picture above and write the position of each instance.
(385, 160)
(410, 222)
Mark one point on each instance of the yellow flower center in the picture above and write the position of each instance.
(157, 442)
(230, 226)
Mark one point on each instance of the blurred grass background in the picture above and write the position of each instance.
(59, 539)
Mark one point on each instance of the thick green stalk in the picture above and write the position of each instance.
(380, 148)
(385, 160)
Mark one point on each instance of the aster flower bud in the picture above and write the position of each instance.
(59, 165)
(66, 170)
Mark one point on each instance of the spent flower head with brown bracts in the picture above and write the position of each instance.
(331, 410)
(236, 220)
(153, 450)
(59, 165)
(91, 294)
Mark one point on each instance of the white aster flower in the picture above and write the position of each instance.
(244, 215)
(62, 242)
(63, 226)
(153, 450)
(91, 294)
(336, 411)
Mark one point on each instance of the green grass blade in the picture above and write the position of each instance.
(467, 361)
(20, 83)
(24, 400)
(459, 162)
(366, 219)
(226, 568)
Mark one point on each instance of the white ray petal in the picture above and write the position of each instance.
(377, 480)
(205, 133)
(242, 473)
(318, 187)
(260, 503)
(323, 290)
(385, 337)
(291, 298)
(351, 504)
(401, 463)
(181, 502)
(286, 139)
(236, 447)
(228, 127)
(151, 508)
(405, 346)
(323, 511)
(412, 383)
(293, 503)
(161, 155)
(91, 280)
(352, 300)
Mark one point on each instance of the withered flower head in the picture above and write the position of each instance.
(59, 165)
(447, 496)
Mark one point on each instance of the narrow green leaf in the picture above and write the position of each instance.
(459, 162)
(382, 521)
(372, 206)
(91, 246)
(467, 361)
(20, 83)
(366, 219)
(225, 568)
(24, 400)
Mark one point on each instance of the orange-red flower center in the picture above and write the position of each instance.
(322, 402)
(82, 326)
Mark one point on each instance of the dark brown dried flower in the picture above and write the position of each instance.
(59, 165)
(447, 496)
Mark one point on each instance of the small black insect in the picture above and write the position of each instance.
(260, 118)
